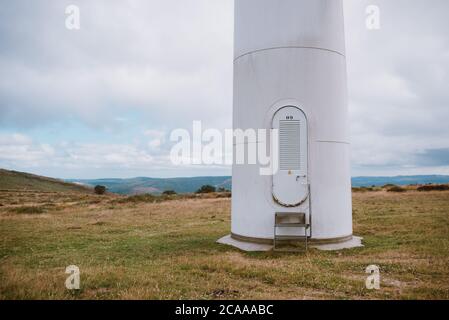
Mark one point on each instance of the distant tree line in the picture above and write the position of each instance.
(100, 190)
(210, 189)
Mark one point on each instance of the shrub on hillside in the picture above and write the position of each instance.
(225, 194)
(434, 187)
(206, 189)
(138, 198)
(396, 189)
(169, 192)
(100, 189)
(361, 189)
(28, 210)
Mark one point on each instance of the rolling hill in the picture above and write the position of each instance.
(14, 180)
(186, 185)
(398, 180)
(155, 186)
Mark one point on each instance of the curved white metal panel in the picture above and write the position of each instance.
(291, 53)
(265, 24)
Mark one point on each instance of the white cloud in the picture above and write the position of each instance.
(170, 60)
(17, 148)
(398, 84)
(64, 159)
(156, 138)
(21, 151)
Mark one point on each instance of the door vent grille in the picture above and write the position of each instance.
(289, 145)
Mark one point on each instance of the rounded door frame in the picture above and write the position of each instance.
(281, 106)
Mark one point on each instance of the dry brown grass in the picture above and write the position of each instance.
(166, 250)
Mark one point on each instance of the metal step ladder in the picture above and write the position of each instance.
(290, 220)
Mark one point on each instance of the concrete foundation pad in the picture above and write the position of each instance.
(355, 242)
(245, 246)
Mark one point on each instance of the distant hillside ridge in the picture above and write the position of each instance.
(15, 180)
(399, 180)
(143, 185)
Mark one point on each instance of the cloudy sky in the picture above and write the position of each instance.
(101, 101)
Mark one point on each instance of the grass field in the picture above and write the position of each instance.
(141, 248)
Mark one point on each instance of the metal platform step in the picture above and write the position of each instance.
(290, 220)
(286, 238)
(291, 225)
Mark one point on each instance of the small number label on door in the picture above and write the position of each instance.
(289, 117)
